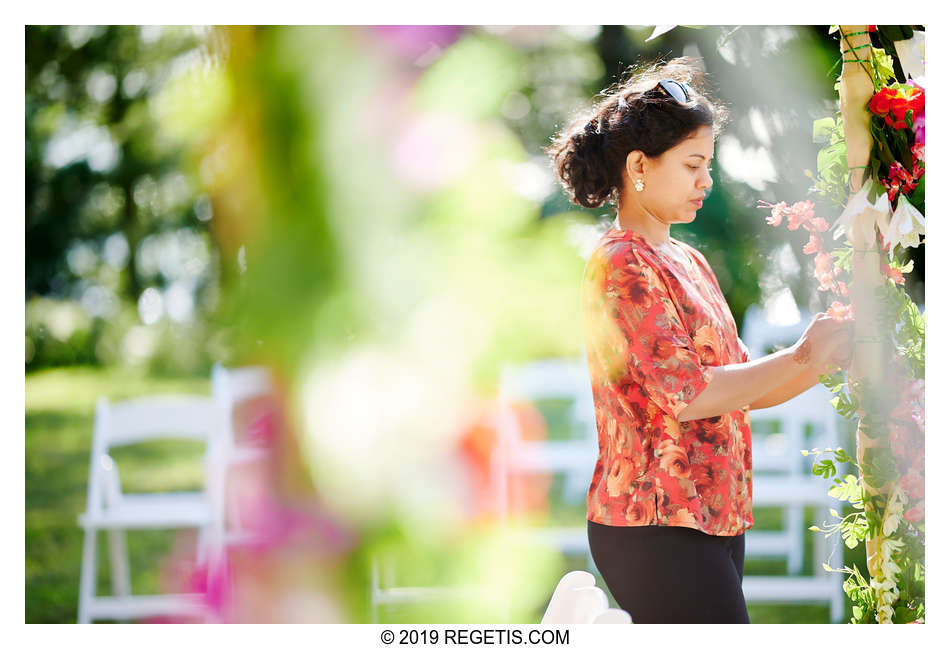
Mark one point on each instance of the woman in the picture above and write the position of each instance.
(671, 495)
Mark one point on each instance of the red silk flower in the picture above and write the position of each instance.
(893, 103)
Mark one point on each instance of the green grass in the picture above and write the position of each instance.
(60, 407)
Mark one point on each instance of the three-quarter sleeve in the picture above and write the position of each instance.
(647, 342)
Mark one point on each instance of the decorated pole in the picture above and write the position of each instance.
(873, 165)
(877, 375)
(868, 364)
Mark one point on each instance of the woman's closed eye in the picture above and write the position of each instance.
(699, 166)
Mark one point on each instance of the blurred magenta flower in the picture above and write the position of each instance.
(413, 41)
(918, 128)
(214, 580)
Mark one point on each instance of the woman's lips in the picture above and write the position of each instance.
(698, 204)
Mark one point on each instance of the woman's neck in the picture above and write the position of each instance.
(655, 231)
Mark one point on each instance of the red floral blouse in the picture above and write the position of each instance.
(654, 328)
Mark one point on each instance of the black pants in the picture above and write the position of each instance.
(666, 574)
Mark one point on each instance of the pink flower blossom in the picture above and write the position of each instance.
(898, 437)
(778, 210)
(215, 583)
(813, 245)
(892, 273)
(817, 225)
(839, 311)
(918, 128)
(915, 513)
(913, 484)
(897, 172)
(800, 212)
(824, 270)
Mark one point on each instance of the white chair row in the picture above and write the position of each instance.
(782, 477)
(108, 508)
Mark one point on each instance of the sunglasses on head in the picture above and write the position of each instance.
(678, 90)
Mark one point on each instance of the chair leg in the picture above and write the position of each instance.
(87, 575)
(374, 590)
(837, 601)
(201, 553)
(119, 564)
(794, 524)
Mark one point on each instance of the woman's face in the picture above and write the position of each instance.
(674, 181)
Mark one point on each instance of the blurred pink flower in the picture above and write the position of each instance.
(214, 581)
(432, 150)
(898, 437)
(273, 524)
(262, 430)
(913, 484)
(915, 513)
(414, 41)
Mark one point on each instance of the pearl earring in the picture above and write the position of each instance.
(638, 184)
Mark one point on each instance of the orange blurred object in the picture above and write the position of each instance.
(480, 447)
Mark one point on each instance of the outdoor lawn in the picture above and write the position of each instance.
(60, 407)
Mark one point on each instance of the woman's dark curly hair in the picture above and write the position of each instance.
(589, 155)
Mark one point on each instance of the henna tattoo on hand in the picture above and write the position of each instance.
(803, 353)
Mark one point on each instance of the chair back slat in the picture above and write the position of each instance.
(161, 417)
(241, 383)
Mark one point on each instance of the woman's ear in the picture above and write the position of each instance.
(634, 167)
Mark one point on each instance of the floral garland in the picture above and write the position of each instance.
(888, 493)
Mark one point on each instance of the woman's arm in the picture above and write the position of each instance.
(789, 390)
(740, 384)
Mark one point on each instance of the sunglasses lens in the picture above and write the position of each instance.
(676, 90)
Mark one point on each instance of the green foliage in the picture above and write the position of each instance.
(859, 592)
(879, 467)
(104, 180)
(825, 468)
(883, 66)
(833, 170)
(902, 327)
(847, 489)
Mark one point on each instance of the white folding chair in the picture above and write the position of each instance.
(385, 590)
(231, 388)
(109, 509)
(578, 600)
(574, 458)
(782, 478)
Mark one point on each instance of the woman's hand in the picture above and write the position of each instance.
(827, 343)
